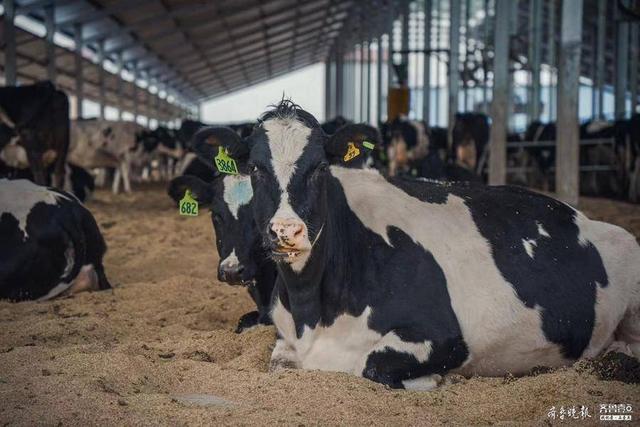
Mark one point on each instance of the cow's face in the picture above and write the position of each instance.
(288, 157)
(237, 241)
(289, 172)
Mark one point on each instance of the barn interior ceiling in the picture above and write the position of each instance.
(204, 49)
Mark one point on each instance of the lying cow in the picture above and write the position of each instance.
(470, 139)
(77, 180)
(34, 129)
(403, 281)
(50, 245)
(243, 261)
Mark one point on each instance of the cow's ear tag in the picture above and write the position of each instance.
(368, 145)
(352, 152)
(188, 205)
(224, 163)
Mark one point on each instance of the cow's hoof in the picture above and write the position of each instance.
(248, 321)
(279, 364)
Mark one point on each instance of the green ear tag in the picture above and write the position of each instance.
(188, 205)
(224, 163)
(369, 145)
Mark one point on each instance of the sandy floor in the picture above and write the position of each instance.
(160, 348)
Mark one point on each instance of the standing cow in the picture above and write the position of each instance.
(50, 245)
(402, 281)
(34, 129)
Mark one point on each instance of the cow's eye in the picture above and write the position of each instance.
(322, 167)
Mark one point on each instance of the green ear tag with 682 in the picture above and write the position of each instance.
(188, 205)
(224, 163)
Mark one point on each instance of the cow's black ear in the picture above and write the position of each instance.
(206, 144)
(202, 191)
(352, 145)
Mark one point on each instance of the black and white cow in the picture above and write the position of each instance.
(401, 281)
(50, 245)
(243, 260)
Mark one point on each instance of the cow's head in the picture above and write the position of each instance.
(229, 199)
(288, 156)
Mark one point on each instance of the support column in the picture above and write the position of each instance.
(500, 102)
(50, 47)
(622, 66)
(405, 34)
(454, 62)
(552, 60)
(379, 109)
(600, 46)
(633, 67)
(368, 115)
(9, 33)
(363, 81)
(390, 71)
(327, 89)
(79, 62)
(135, 92)
(485, 70)
(339, 83)
(536, 39)
(119, 64)
(101, 79)
(568, 137)
(426, 72)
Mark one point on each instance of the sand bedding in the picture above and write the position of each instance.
(160, 348)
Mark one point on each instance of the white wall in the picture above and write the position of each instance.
(305, 87)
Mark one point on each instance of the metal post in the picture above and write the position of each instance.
(340, 83)
(50, 47)
(390, 72)
(485, 70)
(622, 66)
(368, 115)
(135, 92)
(426, 72)
(379, 81)
(327, 89)
(405, 33)
(568, 136)
(119, 64)
(363, 77)
(467, 29)
(633, 66)
(438, 64)
(552, 59)
(499, 104)
(600, 54)
(10, 73)
(79, 62)
(454, 61)
(101, 78)
(536, 39)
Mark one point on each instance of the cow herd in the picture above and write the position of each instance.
(378, 253)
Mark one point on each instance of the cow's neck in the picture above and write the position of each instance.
(320, 290)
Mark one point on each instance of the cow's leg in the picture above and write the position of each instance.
(412, 365)
(629, 331)
(283, 357)
(124, 166)
(116, 181)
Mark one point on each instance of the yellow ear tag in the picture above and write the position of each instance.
(224, 163)
(352, 152)
(188, 205)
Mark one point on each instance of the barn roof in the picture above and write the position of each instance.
(205, 49)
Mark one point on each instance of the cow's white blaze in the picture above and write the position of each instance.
(237, 192)
(231, 260)
(473, 279)
(287, 138)
(344, 346)
(21, 196)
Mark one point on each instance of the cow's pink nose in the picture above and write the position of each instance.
(286, 232)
